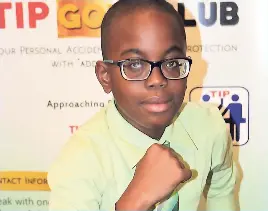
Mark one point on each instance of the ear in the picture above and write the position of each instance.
(103, 76)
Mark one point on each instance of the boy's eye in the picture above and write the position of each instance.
(172, 64)
(135, 64)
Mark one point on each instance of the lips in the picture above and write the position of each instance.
(156, 104)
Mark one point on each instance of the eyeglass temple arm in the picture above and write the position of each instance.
(109, 61)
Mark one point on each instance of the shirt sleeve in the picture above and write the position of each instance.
(72, 179)
(222, 177)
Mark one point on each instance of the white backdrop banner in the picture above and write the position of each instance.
(48, 50)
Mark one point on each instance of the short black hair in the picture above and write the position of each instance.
(123, 7)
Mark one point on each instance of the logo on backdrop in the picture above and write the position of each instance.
(209, 13)
(81, 17)
(32, 13)
(84, 17)
(233, 102)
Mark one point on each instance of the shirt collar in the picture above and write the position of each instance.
(124, 131)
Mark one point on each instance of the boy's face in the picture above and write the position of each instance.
(148, 105)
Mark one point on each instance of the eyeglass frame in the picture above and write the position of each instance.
(153, 64)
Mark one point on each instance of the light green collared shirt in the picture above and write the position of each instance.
(97, 164)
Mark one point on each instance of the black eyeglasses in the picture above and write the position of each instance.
(141, 69)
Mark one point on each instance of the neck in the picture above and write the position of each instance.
(155, 133)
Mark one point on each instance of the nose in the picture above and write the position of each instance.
(156, 79)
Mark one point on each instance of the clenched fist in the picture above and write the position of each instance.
(157, 174)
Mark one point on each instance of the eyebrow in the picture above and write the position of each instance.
(172, 49)
(132, 50)
(139, 52)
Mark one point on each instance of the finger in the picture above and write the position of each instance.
(176, 154)
(187, 175)
(180, 159)
(182, 165)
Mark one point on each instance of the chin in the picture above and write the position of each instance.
(158, 122)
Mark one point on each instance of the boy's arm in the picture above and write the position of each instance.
(222, 178)
(72, 179)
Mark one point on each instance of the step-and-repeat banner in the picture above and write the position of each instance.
(48, 87)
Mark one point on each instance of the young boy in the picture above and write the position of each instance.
(145, 150)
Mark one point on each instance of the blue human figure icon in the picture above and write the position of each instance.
(206, 98)
(235, 118)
